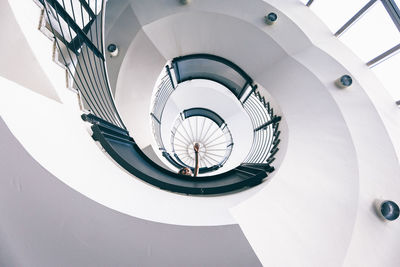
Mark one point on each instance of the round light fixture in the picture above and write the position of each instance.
(387, 210)
(344, 81)
(113, 50)
(270, 18)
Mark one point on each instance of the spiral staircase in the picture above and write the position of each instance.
(89, 174)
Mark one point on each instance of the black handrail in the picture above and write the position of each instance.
(130, 157)
(81, 50)
(215, 68)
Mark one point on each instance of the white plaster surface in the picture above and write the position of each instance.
(58, 139)
(341, 144)
(16, 46)
(136, 80)
(309, 207)
(20, 20)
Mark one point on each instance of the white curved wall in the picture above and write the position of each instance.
(339, 156)
(24, 43)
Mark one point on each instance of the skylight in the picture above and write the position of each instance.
(373, 34)
(370, 36)
(388, 73)
(336, 13)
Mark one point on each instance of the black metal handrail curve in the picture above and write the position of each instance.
(215, 68)
(123, 149)
(77, 30)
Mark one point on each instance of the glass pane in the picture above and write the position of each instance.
(373, 34)
(388, 73)
(336, 13)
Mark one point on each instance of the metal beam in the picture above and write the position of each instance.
(356, 17)
(382, 57)
(309, 2)
(393, 11)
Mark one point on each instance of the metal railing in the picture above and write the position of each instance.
(77, 29)
(265, 128)
(225, 72)
(165, 88)
(208, 129)
(201, 66)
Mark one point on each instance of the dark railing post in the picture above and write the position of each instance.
(170, 76)
(265, 125)
(253, 88)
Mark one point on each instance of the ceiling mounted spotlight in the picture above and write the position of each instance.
(387, 210)
(113, 50)
(270, 18)
(344, 81)
(184, 2)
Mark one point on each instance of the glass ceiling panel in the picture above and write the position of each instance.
(336, 13)
(372, 34)
(388, 73)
